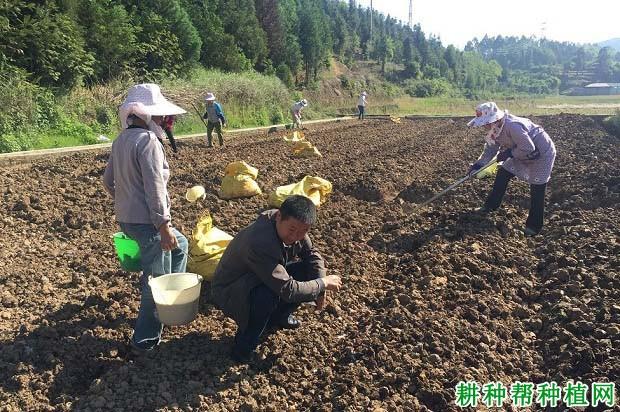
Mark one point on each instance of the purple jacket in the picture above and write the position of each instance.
(532, 149)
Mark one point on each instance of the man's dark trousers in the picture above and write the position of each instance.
(265, 306)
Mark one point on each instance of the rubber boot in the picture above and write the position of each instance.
(221, 139)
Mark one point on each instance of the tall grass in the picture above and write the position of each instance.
(248, 99)
(32, 117)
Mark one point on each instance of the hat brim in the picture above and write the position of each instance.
(210, 99)
(165, 109)
(484, 120)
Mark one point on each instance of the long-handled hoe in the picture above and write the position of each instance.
(199, 115)
(456, 184)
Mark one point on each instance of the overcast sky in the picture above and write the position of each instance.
(457, 21)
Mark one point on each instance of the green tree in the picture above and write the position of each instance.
(314, 39)
(159, 54)
(384, 50)
(240, 19)
(47, 44)
(604, 64)
(159, 18)
(218, 49)
(110, 36)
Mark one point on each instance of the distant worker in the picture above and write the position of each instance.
(526, 151)
(215, 119)
(361, 105)
(136, 176)
(167, 125)
(268, 270)
(296, 112)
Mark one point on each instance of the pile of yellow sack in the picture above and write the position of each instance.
(305, 149)
(302, 147)
(206, 247)
(313, 187)
(239, 181)
(395, 119)
(296, 137)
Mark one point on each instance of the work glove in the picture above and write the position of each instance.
(473, 168)
(505, 155)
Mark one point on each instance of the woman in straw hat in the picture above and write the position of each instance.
(526, 151)
(296, 112)
(136, 176)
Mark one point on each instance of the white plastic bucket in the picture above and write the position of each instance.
(176, 297)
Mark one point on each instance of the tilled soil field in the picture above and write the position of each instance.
(431, 297)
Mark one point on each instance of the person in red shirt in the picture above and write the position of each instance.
(167, 125)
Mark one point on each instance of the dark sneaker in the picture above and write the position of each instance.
(529, 232)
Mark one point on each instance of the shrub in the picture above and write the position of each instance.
(428, 88)
(612, 124)
(25, 108)
(345, 82)
(284, 73)
(11, 142)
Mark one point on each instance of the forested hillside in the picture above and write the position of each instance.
(545, 66)
(51, 48)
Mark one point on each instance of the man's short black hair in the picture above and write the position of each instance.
(300, 208)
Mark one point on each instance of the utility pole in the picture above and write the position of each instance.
(411, 14)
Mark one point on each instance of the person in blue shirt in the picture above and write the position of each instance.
(215, 119)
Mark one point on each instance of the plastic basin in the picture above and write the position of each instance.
(176, 296)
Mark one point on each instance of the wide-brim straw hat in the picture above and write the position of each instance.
(210, 97)
(486, 113)
(145, 100)
(194, 193)
(304, 102)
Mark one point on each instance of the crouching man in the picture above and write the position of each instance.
(267, 270)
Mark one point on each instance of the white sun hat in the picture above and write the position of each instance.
(145, 100)
(486, 113)
(304, 102)
(194, 193)
(210, 97)
(364, 94)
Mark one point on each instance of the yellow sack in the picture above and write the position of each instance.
(301, 145)
(307, 153)
(395, 119)
(239, 181)
(305, 149)
(241, 168)
(488, 172)
(297, 137)
(238, 186)
(206, 247)
(313, 187)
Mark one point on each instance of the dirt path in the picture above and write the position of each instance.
(430, 299)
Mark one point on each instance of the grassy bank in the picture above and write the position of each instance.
(32, 118)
